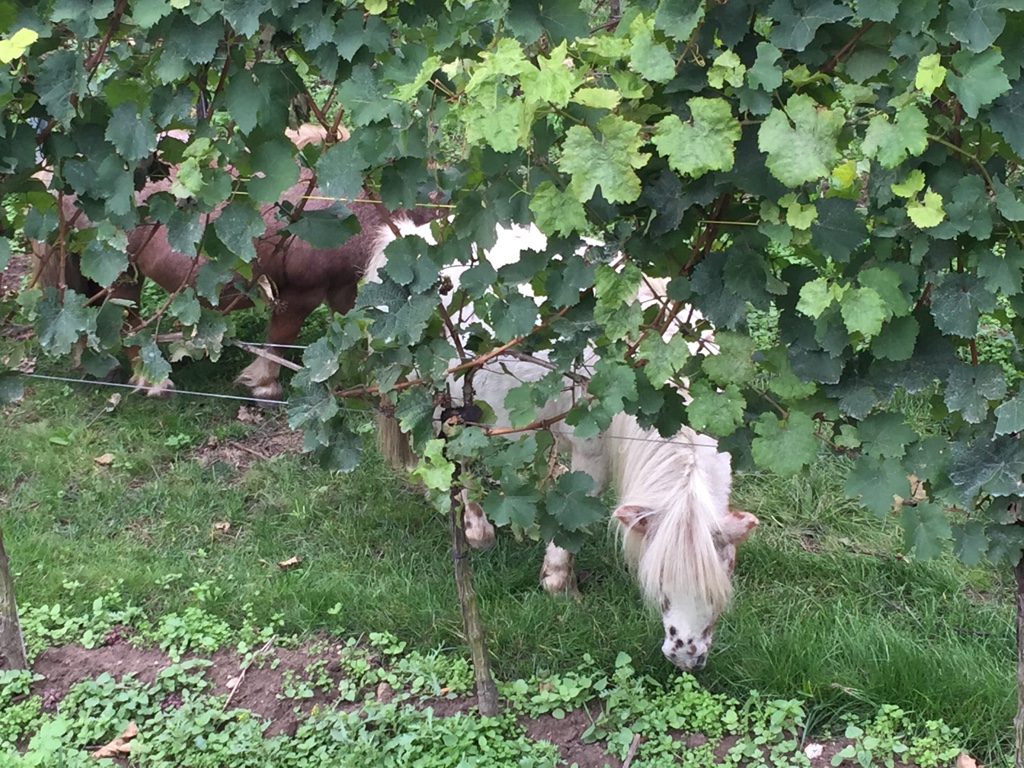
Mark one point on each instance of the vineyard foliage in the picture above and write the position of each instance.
(847, 174)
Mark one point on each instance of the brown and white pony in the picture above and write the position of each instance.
(301, 275)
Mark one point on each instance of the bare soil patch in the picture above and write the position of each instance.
(258, 686)
(272, 437)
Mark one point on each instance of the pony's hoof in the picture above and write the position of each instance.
(266, 394)
(556, 572)
(560, 584)
(161, 390)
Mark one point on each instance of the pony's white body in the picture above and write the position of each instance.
(678, 534)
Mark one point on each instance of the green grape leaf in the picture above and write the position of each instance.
(863, 311)
(325, 227)
(60, 75)
(664, 359)
(515, 316)
(567, 501)
(237, 227)
(320, 360)
(891, 143)
(649, 58)
(131, 134)
(151, 362)
(734, 363)
(798, 22)
(613, 383)
(716, 412)
(1011, 206)
(877, 481)
(957, 301)
(785, 448)
(512, 505)
(885, 435)
(434, 469)
(146, 13)
(887, 284)
(816, 296)
(994, 466)
(104, 258)
(897, 339)
(801, 140)
(970, 387)
(970, 543)
(977, 23)
(1005, 544)
(364, 98)
(1007, 117)
(678, 18)
(877, 10)
(608, 161)
(598, 98)
(1010, 416)
(343, 452)
(925, 529)
(765, 74)
(503, 125)
(839, 228)
(726, 68)
(339, 171)
(980, 81)
(927, 212)
(705, 143)
(551, 81)
(279, 171)
(61, 323)
(930, 73)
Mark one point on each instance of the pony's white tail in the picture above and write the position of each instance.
(680, 488)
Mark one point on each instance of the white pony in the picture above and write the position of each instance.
(678, 534)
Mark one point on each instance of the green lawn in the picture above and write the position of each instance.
(824, 608)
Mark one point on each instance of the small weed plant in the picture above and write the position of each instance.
(181, 723)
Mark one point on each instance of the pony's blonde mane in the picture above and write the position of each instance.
(684, 483)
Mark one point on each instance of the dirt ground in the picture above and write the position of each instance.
(257, 688)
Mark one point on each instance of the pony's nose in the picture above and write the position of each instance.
(700, 661)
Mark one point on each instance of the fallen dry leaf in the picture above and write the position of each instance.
(105, 460)
(112, 402)
(291, 561)
(964, 760)
(249, 415)
(223, 527)
(813, 751)
(120, 745)
(233, 683)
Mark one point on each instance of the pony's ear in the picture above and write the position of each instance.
(633, 518)
(737, 526)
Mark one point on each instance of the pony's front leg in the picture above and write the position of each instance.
(128, 288)
(556, 572)
(262, 376)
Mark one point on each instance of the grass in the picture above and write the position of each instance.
(825, 608)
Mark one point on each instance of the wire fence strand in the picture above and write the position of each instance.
(266, 401)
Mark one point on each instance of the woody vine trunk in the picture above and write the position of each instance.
(1018, 721)
(486, 690)
(12, 645)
